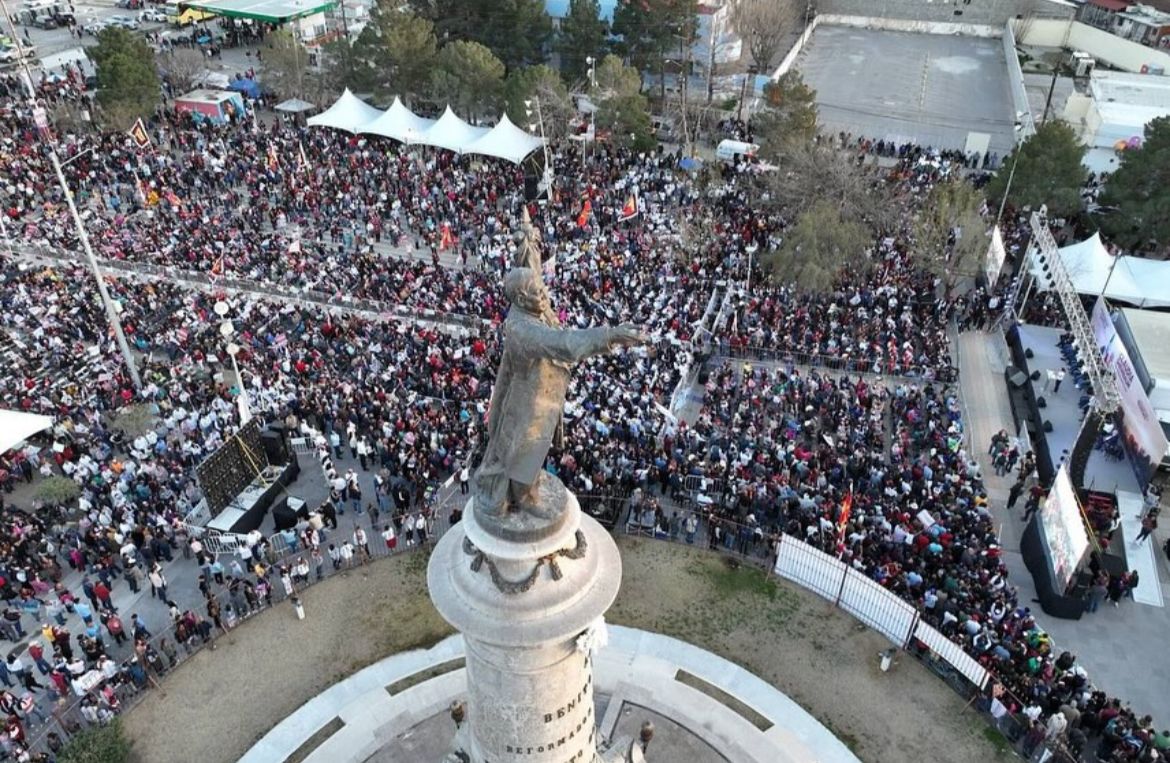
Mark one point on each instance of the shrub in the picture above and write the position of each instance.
(98, 744)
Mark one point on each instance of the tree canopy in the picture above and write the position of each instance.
(615, 78)
(821, 244)
(950, 234)
(516, 31)
(653, 31)
(837, 211)
(1049, 171)
(128, 84)
(399, 50)
(286, 66)
(622, 110)
(627, 120)
(789, 114)
(97, 744)
(582, 35)
(539, 83)
(469, 78)
(1140, 190)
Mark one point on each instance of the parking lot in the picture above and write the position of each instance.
(929, 89)
(50, 41)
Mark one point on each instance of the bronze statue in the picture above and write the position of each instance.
(529, 393)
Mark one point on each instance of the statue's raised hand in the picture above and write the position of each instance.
(627, 335)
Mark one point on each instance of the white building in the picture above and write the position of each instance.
(1116, 107)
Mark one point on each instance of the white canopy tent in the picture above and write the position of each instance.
(1093, 270)
(452, 133)
(399, 123)
(349, 113)
(17, 426)
(506, 141)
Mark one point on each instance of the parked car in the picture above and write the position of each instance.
(94, 27)
(126, 22)
(8, 53)
(45, 22)
(153, 15)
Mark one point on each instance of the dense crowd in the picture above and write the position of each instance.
(773, 448)
(796, 444)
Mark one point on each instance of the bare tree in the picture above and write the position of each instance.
(182, 67)
(813, 172)
(951, 235)
(764, 25)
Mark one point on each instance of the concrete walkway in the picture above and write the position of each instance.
(1124, 650)
(637, 669)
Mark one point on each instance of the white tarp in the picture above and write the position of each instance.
(505, 141)
(399, 123)
(452, 133)
(17, 426)
(1091, 268)
(349, 113)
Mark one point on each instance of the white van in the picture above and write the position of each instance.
(732, 150)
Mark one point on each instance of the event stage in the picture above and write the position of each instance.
(1063, 411)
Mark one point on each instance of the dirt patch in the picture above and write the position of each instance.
(816, 654)
(221, 702)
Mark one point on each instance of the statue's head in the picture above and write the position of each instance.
(525, 289)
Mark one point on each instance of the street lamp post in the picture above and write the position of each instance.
(228, 330)
(591, 135)
(42, 123)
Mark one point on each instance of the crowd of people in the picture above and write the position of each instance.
(376, 224)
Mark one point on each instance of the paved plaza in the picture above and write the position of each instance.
(1124, 649)
(928, 89)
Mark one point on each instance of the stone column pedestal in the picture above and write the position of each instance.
(528, 607)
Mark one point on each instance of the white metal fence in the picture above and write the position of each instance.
(870, 602)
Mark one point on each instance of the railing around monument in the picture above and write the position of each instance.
(67, 716)
(784, 555)
(875, 606)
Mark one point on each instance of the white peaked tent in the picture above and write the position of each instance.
(349, 113)
(399, 123)
(452, 133)
(506, 141)
(1093, 270)
(17, 426)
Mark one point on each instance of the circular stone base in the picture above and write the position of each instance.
(704, 708)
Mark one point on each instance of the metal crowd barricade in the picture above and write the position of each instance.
(877, 607)
(810, 568)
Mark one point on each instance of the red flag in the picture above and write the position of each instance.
(217, 266)
(173, 198)
(586, 212)
(445, 238)
(630, 208)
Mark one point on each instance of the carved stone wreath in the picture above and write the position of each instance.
(509, 587)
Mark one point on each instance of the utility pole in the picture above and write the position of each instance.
(715, 18)
(1048, 100)
(40, 117)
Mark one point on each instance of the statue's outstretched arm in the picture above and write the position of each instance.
(574, 345)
